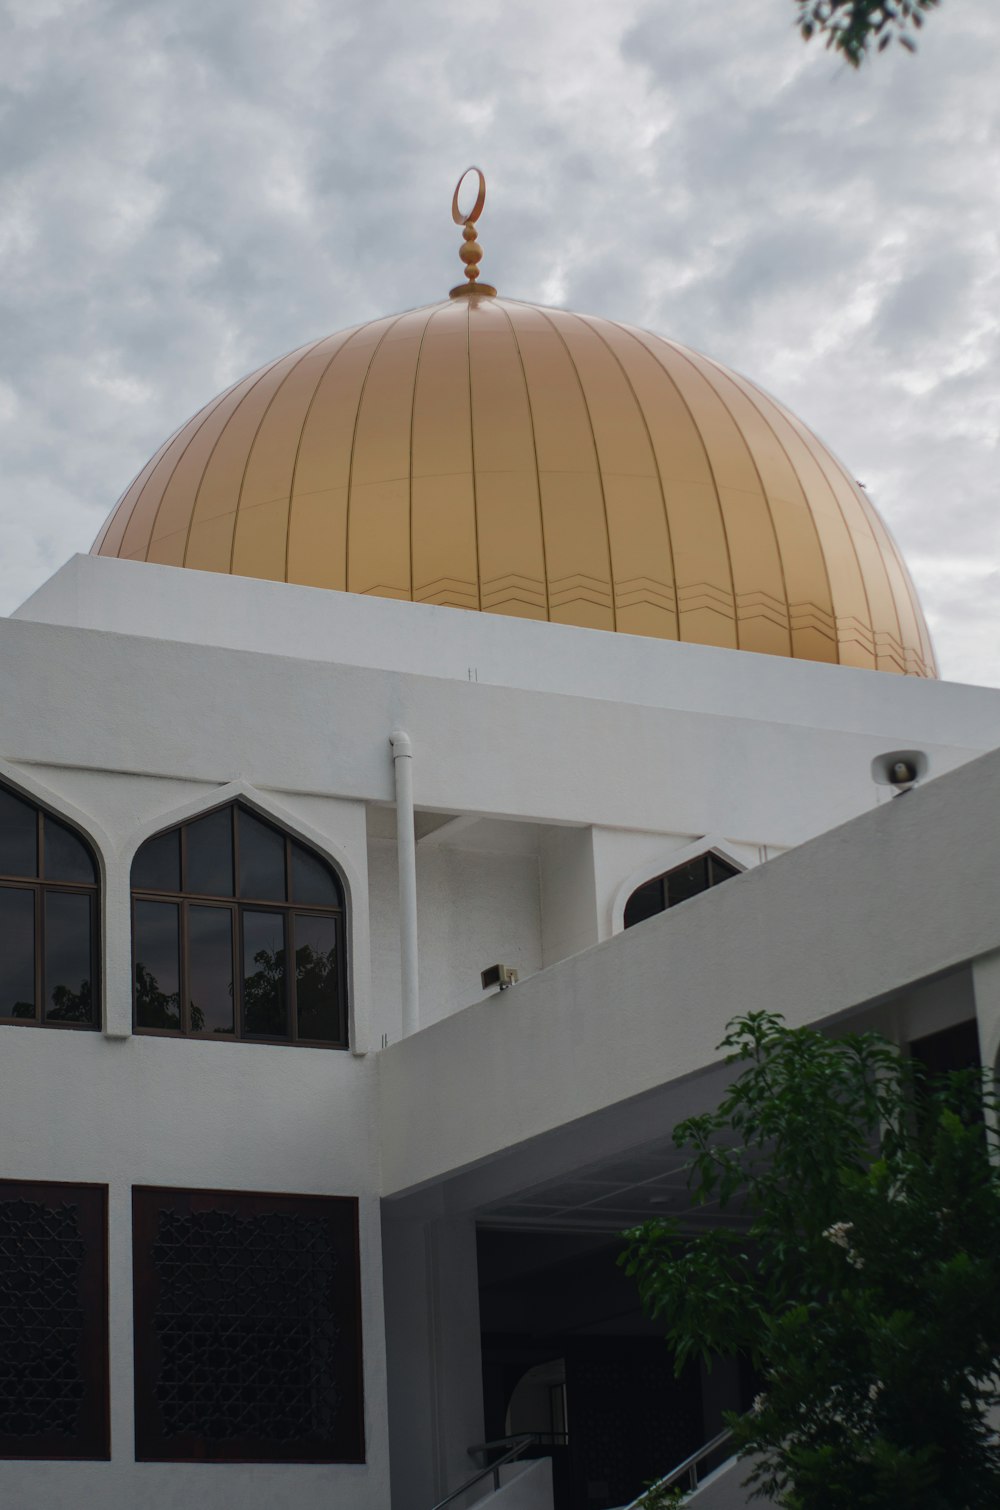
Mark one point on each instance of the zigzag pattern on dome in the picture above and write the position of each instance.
(488, 454)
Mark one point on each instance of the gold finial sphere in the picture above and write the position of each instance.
(470, 251)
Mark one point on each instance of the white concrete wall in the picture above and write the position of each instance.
(422, 639)
(474, 909)
(724, 1490)
(895, 898)
(131, 1110)
(986, 996)
(563, 725)
(150, 693)
(526, 1486)
(434, 1357)
(752, 754)
(569, 912)
(383, 901)
(624, 860)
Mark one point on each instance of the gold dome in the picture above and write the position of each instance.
(500, 456)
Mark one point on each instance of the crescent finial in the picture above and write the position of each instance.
(470, 251)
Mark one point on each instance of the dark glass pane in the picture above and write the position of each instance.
(157, 866)
(264, 1008)
(687, 881)
(210, 855)
(950, 1049)
(66, 857)
(262, 860)
(157, 966)
(17, 952)
(720, 870)
(312, 880)
(316, 978)
(69, 970)
(645, 903)
(18, 836)
(210, 969)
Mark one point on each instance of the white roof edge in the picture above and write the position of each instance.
(318, 624)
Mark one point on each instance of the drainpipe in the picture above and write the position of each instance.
(406, 850)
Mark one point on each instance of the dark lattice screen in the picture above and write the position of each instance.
(247, 1327)
(630, 1419)
(53, 1321)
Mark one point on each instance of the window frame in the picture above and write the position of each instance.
(709, 855)
(151, 1444)
(95, 1362)
(41, 887)
(238, 906)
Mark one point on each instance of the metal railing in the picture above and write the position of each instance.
(519, 1447)
(688, 1469)
(532, 1438)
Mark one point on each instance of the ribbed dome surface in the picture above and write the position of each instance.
(495, 455)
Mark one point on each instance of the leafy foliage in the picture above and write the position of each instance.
(155, 1008)
(866, 1289)
(658, 1498)
(855, 27)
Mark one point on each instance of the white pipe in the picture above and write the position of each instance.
(406, 851)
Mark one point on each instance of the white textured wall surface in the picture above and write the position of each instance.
(475, 910)
(526, 1487)
(568, 893)
(151, 694)
(136, 1110)
(422, 639)
(624, 860)
(897, 896)
(155, 1111)
(563, 724)
(383, 897)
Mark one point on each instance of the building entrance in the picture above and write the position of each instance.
(569, 1357)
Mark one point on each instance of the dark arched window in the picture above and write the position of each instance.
(48, 919)
(238, 932)
(676, 886)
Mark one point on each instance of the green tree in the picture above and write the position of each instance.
(865, 1284)
(154, 1008)
(71, 1006)
(855, 28)
(264, 1006)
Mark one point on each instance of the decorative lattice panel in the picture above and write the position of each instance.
(53, 1321)
(247, 1327)
(630, 1419)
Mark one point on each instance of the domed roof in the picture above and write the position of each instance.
(495, 455)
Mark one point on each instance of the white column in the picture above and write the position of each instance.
(986, 989)
(434, 1355)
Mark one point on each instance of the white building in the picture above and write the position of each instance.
(643, 616)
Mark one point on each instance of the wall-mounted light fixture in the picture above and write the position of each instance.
(501, 976)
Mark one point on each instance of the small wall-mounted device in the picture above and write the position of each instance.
(901, 769)
(501, 976)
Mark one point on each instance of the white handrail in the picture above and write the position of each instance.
(689, 1466)
(510, 1456)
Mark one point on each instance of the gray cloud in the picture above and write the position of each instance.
(188, 190)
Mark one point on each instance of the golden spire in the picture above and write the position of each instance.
(470, 251)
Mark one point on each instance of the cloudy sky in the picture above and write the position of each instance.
(191, 187)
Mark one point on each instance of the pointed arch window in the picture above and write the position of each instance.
(677, 885)
(48, 918)
(238, 932)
